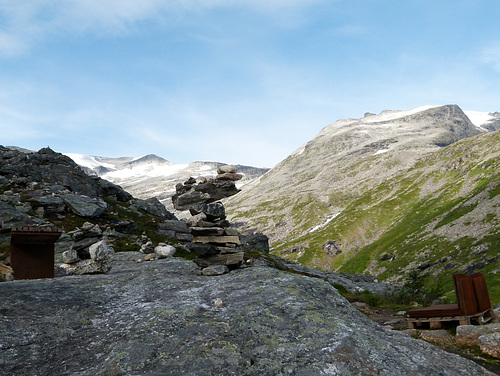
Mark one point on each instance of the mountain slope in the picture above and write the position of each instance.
(383, 195)
(342, 162)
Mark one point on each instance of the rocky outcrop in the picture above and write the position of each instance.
(252, 321)
(47, 187)
(469, 334)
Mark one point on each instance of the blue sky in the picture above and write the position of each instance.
(232, 81)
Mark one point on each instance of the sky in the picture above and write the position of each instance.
(242, 82)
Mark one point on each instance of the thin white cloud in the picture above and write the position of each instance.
(11, 45)
(491, 55)
(351, 30)
(28, 21)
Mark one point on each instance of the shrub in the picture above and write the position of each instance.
(415, 289)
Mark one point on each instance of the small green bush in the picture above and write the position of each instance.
(415, 290)
(373, 300)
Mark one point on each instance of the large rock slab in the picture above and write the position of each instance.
(490, 344)
(229, 259)
(154, 207)
(159, 318)
(469, 334)
(87, 266)
(217, 239)
(85, 206)
(190, 194)
(440, 336)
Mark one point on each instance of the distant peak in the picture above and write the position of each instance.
(150, 158)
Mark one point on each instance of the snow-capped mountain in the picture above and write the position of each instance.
(153, 176)
(489, 121)
(417, 187)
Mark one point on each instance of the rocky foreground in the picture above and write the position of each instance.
(163, 317)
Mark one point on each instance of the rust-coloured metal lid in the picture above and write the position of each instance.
(35, 234)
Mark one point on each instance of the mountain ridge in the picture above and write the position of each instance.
(347, 184)
(153, 176)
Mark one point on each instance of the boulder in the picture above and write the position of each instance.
(51, 204)
(6, 273)
(154, 207)
(174, 225)
(164, 251)
(207, 231)
(100, 251)
(189, 199)
(87, 266)
(85, 206)
(213, 270)
(231, 260)
(148, 247)
(496, 313)
(82, 246)
(332, 248)
(212, 210)
(229, 176)
(490, 344)
(112, 190)
(469, 334)
(202, 249)
(11, 217)
(255, 241)
(70, 256)
(217, 239)
(149, 257)
(184, 237)
(227, 169)
(439, 336)
(188, 196)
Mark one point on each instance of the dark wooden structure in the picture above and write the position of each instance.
(32, 251)
(473, 303)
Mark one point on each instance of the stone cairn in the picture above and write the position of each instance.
(209, 232)
(89, 252)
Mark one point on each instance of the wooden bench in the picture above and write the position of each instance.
(473, 304)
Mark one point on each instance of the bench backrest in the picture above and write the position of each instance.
(472, 293)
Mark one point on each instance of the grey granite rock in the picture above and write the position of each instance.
(159, 318)
(85, 206)
(490, 344)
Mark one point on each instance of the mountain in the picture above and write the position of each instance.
(386, 194)
(152, 176)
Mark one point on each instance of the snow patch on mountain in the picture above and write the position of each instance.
(327, 221)
(152, 176)
(88, 161)
(479, 118)
(389, 115)
(143, 171)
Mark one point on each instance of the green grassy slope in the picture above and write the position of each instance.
(440, 217)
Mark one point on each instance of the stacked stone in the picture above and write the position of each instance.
(89, 252)
(175, 229)
(215, 243)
